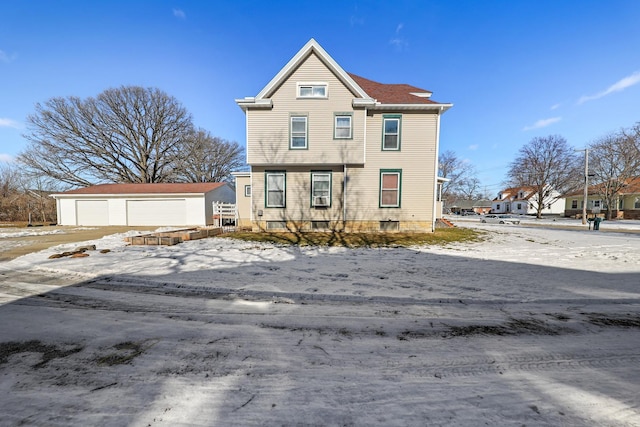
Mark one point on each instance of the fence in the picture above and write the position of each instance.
(225, 215)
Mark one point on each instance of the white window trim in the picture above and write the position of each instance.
(312, 85)
(313, 187)
(306, 131)
(284, 189)
(247, 190)
(398, 119)
(335, 126)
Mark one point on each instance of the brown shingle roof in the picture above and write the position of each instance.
(159, 188)
(391, 93)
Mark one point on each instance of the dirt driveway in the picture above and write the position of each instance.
(18, 246)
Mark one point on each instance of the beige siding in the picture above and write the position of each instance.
(416, 160)
(298, 196)
(268, 130)
(243, 203)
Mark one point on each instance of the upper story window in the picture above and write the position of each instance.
(298, 132)
(391, 131)
(312, 90)
(342, 126)
(247, 191)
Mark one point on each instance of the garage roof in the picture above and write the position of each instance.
(159, 188)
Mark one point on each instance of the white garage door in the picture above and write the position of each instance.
(157, 212)
(92, 212)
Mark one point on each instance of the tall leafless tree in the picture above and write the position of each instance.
(210, 159)
(127, 134)
(462, 182)
(549, 166)
(614, 160)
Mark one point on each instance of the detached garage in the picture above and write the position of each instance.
(142, 204)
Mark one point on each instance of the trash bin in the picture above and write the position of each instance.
(596, 223)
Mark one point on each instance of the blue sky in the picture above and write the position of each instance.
(513, 69)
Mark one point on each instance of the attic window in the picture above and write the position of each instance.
(312, 90)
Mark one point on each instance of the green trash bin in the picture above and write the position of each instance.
(596, 223)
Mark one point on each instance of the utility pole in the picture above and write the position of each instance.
(586, 185)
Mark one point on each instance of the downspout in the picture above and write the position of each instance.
(435, 173)
(344, 196)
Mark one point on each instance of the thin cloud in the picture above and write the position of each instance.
(543, 123)
(6, 158)
(618, 86)
(398, 42)
(179, 13)
(474, 147)
(8, 123)
(5, 57)
(555, 106)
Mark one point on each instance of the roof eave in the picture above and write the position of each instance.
(411, 107)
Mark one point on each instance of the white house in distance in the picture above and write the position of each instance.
(522, 201)
(142, 204)
(332, 150)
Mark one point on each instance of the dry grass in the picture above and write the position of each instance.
(354, 240)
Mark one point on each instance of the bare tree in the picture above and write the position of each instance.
(614, 161)
(210, 159)
(549, 166)
(127, 134)
(22, 195)
(462, 182)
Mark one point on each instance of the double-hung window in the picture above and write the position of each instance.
(391, 131)
(275, 189)
(342, 126)
(574, 204)
(636, 204)
(390, 183)
(320, 189)
(299, 131)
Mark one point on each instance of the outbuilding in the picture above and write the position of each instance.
(162, 204)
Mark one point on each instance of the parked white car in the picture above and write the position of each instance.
(499, 219)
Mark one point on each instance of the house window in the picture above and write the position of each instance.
(391, 132)
(596, 203)
(389, 225)
(498, 207)
(320, 189)
(298, 132)
(574, 204)
(390, 182)
(247, 191)
(342, 126)
(275, 184)
(312, 90)
(276, 225)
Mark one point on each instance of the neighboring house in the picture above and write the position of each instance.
(331, 150)
(523, 201)
(627, 201)
(463, 206)
(142, 204)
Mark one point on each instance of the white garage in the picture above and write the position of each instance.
(142, 204)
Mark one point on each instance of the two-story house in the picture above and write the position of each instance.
(524, 200)
(330, 150)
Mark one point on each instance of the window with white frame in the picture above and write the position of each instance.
(312, 90)
(636, 204)
(320, 189)
(596, 204)
(342, 126)
(390, 182)
(275, 194)
(247, 191)
(391, 132)
(298, 132)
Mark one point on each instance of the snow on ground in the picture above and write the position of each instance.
(531, 326)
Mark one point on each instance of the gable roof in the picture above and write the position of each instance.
(367, 93)
(632, 186)
(158, 188)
